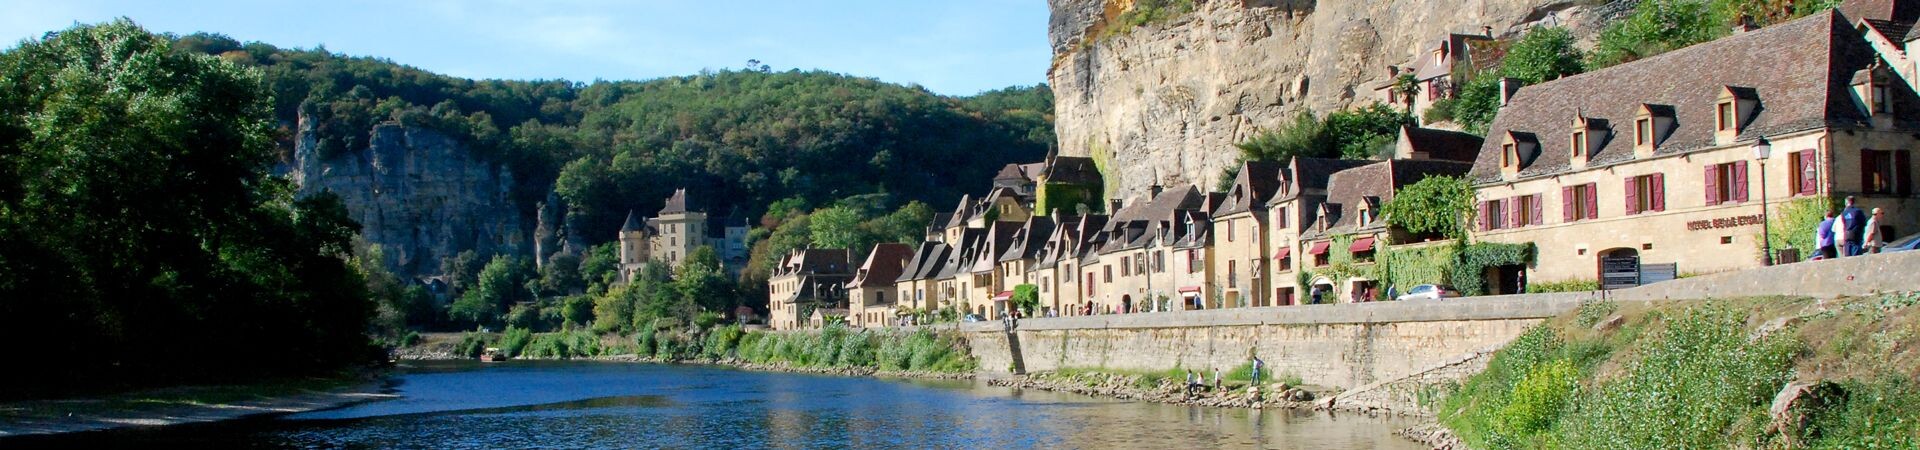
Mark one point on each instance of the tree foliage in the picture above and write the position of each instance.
(1362, 133)
(142, 238)
(1441, 205)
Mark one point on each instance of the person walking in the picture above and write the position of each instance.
(1257, 364)
(1855, 224)
(1216, 379)
(1823, 238)
(1872, 240)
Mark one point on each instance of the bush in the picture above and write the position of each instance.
(412, 338)
(564, 345)
(515, 340)
(472, 344)
(1563, 286)
(1539, 398)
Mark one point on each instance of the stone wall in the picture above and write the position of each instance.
(1354, 345)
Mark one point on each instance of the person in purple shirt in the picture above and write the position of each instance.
(1823, 238)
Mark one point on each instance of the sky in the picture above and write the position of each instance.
(950, 47)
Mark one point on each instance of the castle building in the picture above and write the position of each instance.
(676, 231)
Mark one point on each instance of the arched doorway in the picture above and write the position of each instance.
(1619, 268)
(1322, 291)
(1126, 303)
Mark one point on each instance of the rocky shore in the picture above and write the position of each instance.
(1131, 387)
(1433, 435)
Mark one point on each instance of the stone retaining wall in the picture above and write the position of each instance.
(1352, 345)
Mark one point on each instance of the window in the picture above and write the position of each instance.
(1725, 115)
(1193, 261)
(1508, 155)
(1233, 272)
(1322, 259)
(1646, 193)
(1579, 203)
(1126, 268)
(1494, 213)
(1879, 98)
(1229, 232)
(1886, 172)
(1140, 264)
(1579, 144)
(1643, 132)
(1280, 221)
(1160, 261)
(1804, 172)
(1523, 214)
(1069, 274)
(1727, 182)
(1109, 273)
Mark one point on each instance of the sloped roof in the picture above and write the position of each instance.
(633, 223)
(1442, 144)
(1072, 170)
(676, 204)
(927, 262)
(1799, 72)
(1028, 241)
(883, 265)
(1256, 183)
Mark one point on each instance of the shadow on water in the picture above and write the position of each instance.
(606, 405)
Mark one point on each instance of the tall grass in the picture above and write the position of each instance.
(838, 346)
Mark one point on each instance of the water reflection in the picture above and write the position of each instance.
(611, 405)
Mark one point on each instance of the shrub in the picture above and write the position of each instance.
(721, 342)
(412, 338)
(1593, 311)
(1539, 398)
(472, 344)
(515, 340)
(1563, 286)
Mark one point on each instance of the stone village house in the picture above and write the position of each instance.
(1656, 161)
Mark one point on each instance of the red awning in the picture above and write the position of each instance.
(1283, 253)
(1362, 244)
(1318, 248)
(1190, 289)
(1003, 295)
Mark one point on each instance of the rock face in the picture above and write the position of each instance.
(1169, 100)
(417, 193)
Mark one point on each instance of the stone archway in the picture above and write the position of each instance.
(1618, 268)
(1323, 290)
(1126, 303)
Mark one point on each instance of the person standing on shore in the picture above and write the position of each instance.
(1257, 363)
(1823, 238)
(1216, 379)
(1854, 223)
(1871, 241)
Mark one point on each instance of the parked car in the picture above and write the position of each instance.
(1908, 243)
(1430, 292)
(973, 318)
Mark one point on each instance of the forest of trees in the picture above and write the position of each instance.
(143, 239)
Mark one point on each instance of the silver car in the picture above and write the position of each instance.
(1429, 292)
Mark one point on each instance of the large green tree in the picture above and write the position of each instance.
(142, 239)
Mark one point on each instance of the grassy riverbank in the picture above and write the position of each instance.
(1703, 374)
(835, 347)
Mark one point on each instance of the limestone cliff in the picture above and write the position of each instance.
(1170, 99)
(417, 193)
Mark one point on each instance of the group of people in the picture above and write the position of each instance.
(1851, 232)
(1197, 381)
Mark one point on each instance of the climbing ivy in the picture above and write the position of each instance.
(1793, 224)
(1405, 268)
(1437, 205)
(1474, 259)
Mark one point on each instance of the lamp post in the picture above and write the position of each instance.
(1762, 150)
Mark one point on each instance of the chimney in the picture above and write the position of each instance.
(1508, 86)
(1113, 206)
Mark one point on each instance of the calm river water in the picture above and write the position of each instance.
(621, 405)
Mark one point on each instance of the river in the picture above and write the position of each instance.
(527, 404)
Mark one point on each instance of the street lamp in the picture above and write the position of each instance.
(1762, 150)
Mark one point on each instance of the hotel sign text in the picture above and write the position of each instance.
(1725, 222)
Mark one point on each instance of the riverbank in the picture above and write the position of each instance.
(185, 405)
(1163, 389)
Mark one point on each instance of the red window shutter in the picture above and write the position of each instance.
(1633, 195)
(1513, 214)
(1713, 184)
(1740, 181)
(1809, 173)
(1536, 209)
(1566, 203)
(1593, 200)
(1866, 169)
(1903, 172)
(1659, 192)
(1480, 219)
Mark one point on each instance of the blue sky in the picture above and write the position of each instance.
(955, 48)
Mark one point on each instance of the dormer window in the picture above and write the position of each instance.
(1732, 111)
(1517, 151)
(1652, 124)
(1879, 97)
(1587, 135)
(1579, 144)
(1870, 85)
